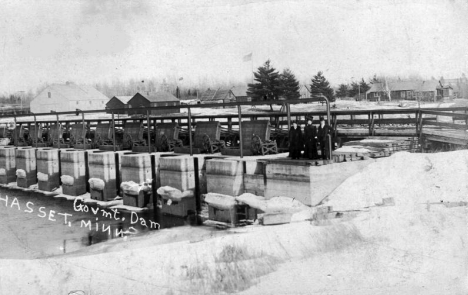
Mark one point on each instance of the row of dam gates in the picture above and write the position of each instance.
(169, 163)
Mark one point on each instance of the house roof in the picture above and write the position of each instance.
(74, 92)
(123, 99)
(213, 95)
(430, 85)
(160, 96)
(240, 91)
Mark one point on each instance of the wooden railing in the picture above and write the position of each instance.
(369, 121)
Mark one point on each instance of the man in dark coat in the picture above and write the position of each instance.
(295, 141)
(310, 140)
(322, 133)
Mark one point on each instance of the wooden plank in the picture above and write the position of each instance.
(449, 125)
(446, 139)
(445, 114)
(455, 134)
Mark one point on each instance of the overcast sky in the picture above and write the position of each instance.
(87, 41)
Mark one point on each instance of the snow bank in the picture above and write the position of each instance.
(407, 178)
(130, 187)
(67, 179)
(284, 205)
(4, 141)
(42, 176)
(253, 201)
(96, 184)
(189, 262)
(220, 201)
(273, 205)
(170, 193)
(20, 173)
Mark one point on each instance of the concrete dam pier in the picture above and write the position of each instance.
(137, 176)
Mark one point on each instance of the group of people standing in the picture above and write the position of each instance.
(309, 140)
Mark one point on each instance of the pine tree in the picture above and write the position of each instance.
(342, 90)
(354, 89)
(364, 86)
(289, 86)
(267, 83)
(320, 86)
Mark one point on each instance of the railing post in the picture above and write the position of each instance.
(15, 133)
(113, 130)
(35, 124)
(288, 109)
(239, 112)
(148, 122)
(58, 134)
(416, 117)
(421, 139)
(230, 124)
(466, 118)
(190, 130)
(84, 130)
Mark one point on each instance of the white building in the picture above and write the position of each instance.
(68, 97)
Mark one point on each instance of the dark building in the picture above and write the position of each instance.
(240, 94)
(139, 102)
(117, 102)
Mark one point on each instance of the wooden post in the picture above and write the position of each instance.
(190, 130)
(58, 134)
(230, 123)
(154, 128)
(148, 123)
(421, 137)
(35, 124)
(239, 112)
(113, 131)
(84, 131)
(15, 138)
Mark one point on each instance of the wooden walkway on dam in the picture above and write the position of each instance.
(447, 128)
(422, 123)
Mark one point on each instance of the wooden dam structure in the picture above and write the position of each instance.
(168, 163)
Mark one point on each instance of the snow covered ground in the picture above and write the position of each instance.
(416, 246)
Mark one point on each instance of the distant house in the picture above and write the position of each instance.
(138, 103)
(217, 96)
(117, 102)
(430, 90)
(240, 94)
(68, 97)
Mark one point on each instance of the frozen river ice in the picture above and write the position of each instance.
(35, 226)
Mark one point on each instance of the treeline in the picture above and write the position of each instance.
(353, 89)
(270, 84)
(22, 98)
(176, 86)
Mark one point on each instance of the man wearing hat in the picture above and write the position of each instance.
(322, 133)
(310, 140)
(295, 141)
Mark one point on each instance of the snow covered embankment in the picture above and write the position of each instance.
(410, 179)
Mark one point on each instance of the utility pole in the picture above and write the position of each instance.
(21, 98)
